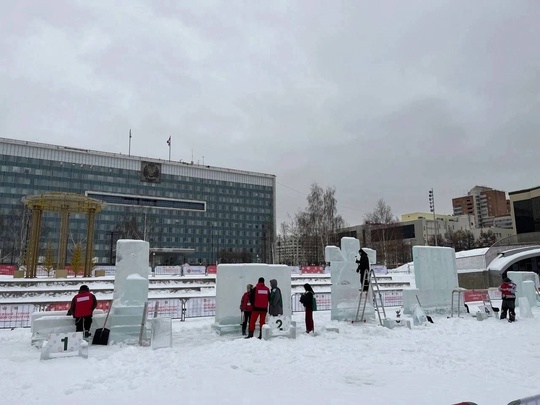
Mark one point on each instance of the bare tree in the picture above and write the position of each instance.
(319, 224)
(460, 240)
(440, 241)
(486, 239)
(14, 234)
(383, 230)
(268, 242)
(289, 242)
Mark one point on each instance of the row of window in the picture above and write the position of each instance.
(35, 167)
(148, 202)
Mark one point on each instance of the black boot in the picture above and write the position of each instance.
(250, 335)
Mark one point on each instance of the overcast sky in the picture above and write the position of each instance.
(379, 99)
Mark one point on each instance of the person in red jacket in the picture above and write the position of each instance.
(259, 297)
(82, 307)
(245, 307)
(508, 292)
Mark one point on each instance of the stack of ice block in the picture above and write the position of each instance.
(130, 291)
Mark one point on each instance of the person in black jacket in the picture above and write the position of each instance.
(363, 267)
(307, 300)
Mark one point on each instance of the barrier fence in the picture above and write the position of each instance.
(183, 270)
(18, 315)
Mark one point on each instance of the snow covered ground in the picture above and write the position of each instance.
(452, 360)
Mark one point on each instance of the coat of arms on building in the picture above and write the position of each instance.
(150, 172)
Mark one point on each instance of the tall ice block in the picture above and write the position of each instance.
(231, 282)
(130, 291)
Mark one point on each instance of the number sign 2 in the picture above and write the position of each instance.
(279, 323)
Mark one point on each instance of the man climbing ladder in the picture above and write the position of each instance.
(366, 283)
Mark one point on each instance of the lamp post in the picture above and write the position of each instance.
(432, 209)
(112, 233)
(214, 252)
(217, 249)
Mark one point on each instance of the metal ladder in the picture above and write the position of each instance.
(376, 293)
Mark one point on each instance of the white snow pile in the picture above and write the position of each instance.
(451, 360)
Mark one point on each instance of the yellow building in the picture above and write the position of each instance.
(413, 216)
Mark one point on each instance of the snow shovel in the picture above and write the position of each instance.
(101, 336)
(430, 320)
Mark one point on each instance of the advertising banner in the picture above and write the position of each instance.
(379, 269)
(7, 269)
(109, 270)
(16, 316)
(169, 308)
(312, 270)
(201, 307)
(189, 270)
(475, 295)
(295, 270)
(168, 270)
(391, 298)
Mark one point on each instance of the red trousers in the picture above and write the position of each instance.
(253, 320)
(309, 320)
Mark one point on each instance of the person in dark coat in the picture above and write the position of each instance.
(363, 267)
(508, 292)
(82, 307)
(307, 300)
(275, 306)
(258, 297)
(246, 307)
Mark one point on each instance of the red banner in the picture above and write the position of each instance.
(312, 270)
(211, 269)
(475, 295)
(58, 306)
(7, 269)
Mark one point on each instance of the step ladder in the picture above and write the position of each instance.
(362, 301)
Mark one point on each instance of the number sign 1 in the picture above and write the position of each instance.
(64, 345)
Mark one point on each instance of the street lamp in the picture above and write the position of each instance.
(112, 233)
(214, 252)
(432, 209)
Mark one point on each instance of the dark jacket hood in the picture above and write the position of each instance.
(273, 283)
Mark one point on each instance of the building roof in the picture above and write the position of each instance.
(509, 257)
(525, 190)
(471, 252)
(82, 152)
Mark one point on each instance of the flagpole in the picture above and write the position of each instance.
(129, 150)
(169, 143)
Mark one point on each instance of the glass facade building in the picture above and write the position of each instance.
(217, 214)
(525, 205)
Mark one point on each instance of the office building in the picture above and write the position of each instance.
(214, 214)
(525, 210)
(484, 203)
